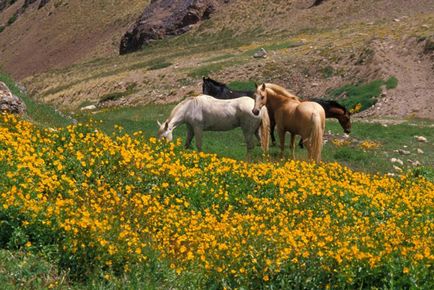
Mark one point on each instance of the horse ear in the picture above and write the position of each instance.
(159, 124)
(263, 87)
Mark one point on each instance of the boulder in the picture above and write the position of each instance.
(10, 103)
(166, 17)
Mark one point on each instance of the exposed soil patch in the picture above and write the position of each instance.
(414, 68)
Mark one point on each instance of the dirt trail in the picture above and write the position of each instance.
(414, 95)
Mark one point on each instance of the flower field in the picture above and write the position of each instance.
(109, 204)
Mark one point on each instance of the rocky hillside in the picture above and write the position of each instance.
(166, 18)
(312, 47)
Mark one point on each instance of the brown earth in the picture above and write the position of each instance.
(62, 33)
(414, 68)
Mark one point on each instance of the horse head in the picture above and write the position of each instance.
(260, 97)
(164, 132)
(345, 121)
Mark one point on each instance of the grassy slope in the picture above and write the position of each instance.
(37, 112)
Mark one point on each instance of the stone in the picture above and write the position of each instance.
(404, 152)
(261, 53)
(414, 163)
(10, 103)
(421, 139)
(419, 151)
(396, 168)
(88, 108)
(396, 160)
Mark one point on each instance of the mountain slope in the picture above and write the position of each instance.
(62, 33)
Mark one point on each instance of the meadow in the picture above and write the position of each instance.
(109, 209)
(104, 205)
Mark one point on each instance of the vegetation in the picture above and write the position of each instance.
(242, 85)
(117, 95)
(362, 96)
(12, 19)
(128, 208)
(40, 113)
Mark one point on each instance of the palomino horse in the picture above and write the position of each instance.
(332, 108)
(306, 119)
(205, 113)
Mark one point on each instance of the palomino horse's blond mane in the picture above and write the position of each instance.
(278, 90)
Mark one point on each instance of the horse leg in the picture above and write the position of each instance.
(281, 133)
(198, 138)
(272, 126)
(258, 136)
(190, 134)
(292, 145)
(301, 143)
(250, 143)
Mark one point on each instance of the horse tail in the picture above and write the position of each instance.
(265, 130)
(316, 137)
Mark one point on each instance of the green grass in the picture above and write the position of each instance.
(242, 85)
(207, 69)
(12, 19)
(364, 94)
(24, 270)
(39, 113)
(117, 95)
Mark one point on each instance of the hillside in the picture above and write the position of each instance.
(310, 50)
(61, 33)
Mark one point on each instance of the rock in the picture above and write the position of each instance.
(419, 151)
(398, 169)
(414, 163)
(88, 108)
(306, 4)
(262, 53)
(10, 103)
(396, 160)
(421, 139)
(165, 17)
(404, 152)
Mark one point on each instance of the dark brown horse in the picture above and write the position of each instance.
(332, 108)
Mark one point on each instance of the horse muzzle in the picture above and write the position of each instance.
(255, 112)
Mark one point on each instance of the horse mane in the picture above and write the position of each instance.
(278, 90)
(208, 79)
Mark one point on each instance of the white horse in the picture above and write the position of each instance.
(205, 113)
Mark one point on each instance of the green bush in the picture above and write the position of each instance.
(12, 19)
